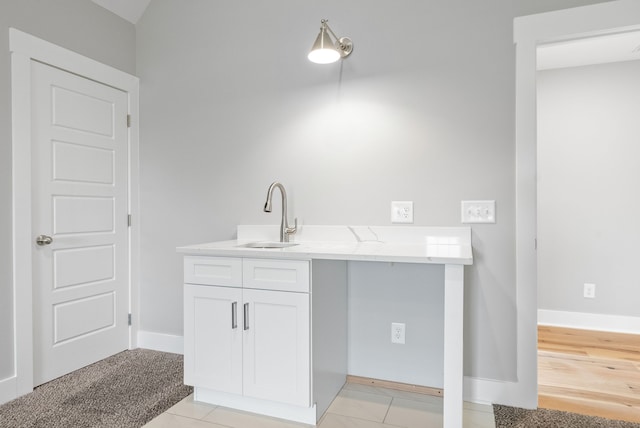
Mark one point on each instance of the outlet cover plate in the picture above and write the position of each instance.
(589, 290)
(478, 212)
(398, 332)
(402, 212)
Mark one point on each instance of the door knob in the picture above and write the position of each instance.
(44, 240)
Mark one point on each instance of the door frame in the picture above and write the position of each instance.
(24, 49)
(530, 32)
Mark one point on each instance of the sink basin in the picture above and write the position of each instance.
(268, 245)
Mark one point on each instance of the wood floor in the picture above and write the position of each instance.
(589, 372)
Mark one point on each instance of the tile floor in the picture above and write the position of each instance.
(357, 406)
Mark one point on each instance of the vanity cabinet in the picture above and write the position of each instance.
(296, 348)
(247, 328)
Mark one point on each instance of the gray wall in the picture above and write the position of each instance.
(588, 200)
(422, 111)
(81, 26)
(382, 293)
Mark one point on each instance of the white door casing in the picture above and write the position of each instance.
(79, 200)
(26, 50)
(529, 32)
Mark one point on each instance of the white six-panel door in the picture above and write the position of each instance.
(80, 202)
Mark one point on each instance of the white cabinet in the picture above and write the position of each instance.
(242, 334)
(282, 275)
(276, 346)
(225, 271)
(213, 338)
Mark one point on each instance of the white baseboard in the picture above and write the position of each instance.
(161, 342)
(488, 391)
(8, 389)
(586, 321)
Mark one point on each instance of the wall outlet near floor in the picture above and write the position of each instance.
(589, 291)
(402, 212)
(397, 332)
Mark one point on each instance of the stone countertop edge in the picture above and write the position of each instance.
(427, 245)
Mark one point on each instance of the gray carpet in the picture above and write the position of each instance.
(125, 390)
(511, 417)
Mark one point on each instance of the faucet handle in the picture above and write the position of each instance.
(294, 229)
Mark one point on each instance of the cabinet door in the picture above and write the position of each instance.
(213, 337)
(277, 347)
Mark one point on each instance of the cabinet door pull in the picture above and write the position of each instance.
(246, 316)
(234, 315)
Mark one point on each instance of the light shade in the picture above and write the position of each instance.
(326, 50)
(323, 50)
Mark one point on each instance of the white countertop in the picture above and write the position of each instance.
(435, 245)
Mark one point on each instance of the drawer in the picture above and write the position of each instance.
(226, 271)
(282, 275)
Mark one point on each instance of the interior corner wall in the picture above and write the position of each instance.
(80, 26)
(230, 103)
(588, 200)
(219, 124)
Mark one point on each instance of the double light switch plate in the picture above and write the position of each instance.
(478, 212)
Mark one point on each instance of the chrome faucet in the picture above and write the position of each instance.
(285, 230)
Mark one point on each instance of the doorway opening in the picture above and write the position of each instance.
(530, 32)
(588, 102)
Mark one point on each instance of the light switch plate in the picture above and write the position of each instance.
(478, 212)
(402, 212)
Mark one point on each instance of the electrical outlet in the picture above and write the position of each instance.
(589, 291)
(397, 332)
(402, 212)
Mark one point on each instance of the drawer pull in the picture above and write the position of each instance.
(234, 315)
(246, 316)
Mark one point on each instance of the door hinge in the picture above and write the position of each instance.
(128, 220)
(129, 319)
(128, 121)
